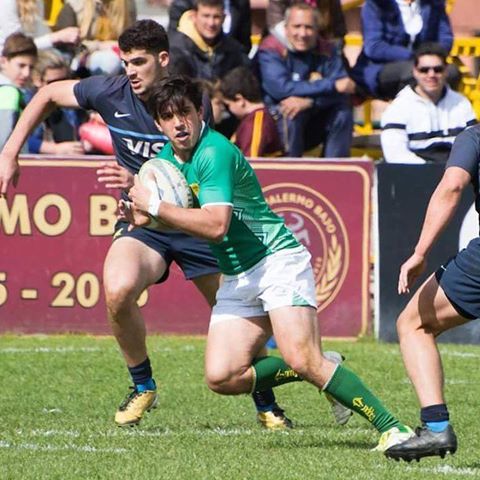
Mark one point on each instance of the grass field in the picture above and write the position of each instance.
(59, 395)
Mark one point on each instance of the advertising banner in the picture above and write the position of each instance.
(56, 227)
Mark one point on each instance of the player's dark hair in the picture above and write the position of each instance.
(145, 35)
(241, 81)
(430, 48)
(171, 94)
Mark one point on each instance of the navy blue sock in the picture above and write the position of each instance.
(142, 376)
(435, 417)
(264, 401)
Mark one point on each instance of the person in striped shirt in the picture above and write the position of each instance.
(421, 124)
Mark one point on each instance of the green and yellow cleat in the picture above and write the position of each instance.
(132, 409)
(393, 437)
(274, 419)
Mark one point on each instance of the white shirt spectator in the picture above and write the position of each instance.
(416, 130)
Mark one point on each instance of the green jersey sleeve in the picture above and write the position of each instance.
(216, 175)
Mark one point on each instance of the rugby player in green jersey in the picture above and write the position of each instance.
(268, 283)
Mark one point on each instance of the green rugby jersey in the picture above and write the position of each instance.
(219, 174)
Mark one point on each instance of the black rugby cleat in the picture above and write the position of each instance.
(425, 443)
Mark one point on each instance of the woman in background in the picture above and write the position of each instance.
(100, 23)
(26, 16)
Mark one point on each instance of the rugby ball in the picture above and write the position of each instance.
(168, 181)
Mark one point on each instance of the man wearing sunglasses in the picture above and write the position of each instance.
(420, 125)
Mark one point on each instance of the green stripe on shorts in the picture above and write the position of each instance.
(299, 301)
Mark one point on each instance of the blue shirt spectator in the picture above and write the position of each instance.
(306, 91)
(392, 30)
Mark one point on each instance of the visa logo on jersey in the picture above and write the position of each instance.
(143, 148)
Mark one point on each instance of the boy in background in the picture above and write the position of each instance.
(18, 57)
(257, 134)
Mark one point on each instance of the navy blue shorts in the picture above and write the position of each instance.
(460, 280)
(191, 254)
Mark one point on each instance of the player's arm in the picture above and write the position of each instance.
(442, 206)
(210, 222)
(57, 94)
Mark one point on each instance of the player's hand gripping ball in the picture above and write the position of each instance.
(166, 181)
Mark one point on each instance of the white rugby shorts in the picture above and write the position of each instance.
(282, 279)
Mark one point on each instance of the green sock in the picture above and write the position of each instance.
(350, 391)
(271, 372)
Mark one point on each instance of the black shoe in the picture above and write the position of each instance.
(425, 443)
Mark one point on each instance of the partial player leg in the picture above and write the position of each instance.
(208, 285)
(296, 332)
(129, 268)
(232, 345)
(269, 414)
(341, 413)
(428, 313)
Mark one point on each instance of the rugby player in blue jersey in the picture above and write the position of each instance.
(448, 298)
(268, 283)
(140, 258)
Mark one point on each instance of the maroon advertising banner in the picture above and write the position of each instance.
(56, 227)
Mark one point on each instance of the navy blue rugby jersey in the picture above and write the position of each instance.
(466, 154)
(135, 136)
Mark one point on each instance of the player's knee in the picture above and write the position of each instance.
(299, 361)
(119, 296)
(404, 324)
(224, 382)
(409, 322)
(220, 384)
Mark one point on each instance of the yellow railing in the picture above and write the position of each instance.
(467, 47)
(52, 9)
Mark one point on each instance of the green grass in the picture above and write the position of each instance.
(59, 394)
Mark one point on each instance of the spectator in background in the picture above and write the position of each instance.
(421, 124)
(392, 29)
(17, 61)
(237, 21)
(58, 133)
(256, 135)
(219, 112)
(27, 16)
(306, 92)
(100, 23)
(331, 26)
(202, 47)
